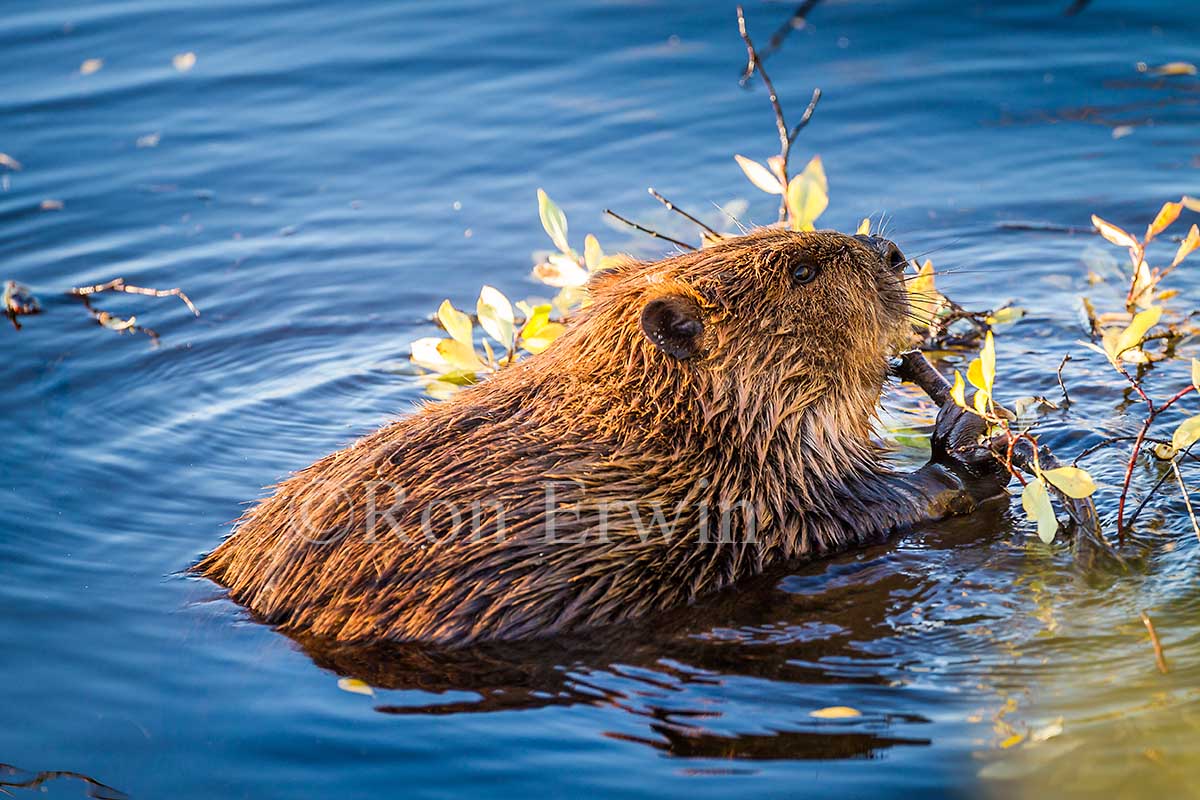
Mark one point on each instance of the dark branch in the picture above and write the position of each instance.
(646, 230)
(672, 207)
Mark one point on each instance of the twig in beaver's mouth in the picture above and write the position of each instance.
(914, 367)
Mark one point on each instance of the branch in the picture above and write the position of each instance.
(1159, 659)
(119, 285)
(672, 207)
(914, 367)
(796, 20)
(646, 230)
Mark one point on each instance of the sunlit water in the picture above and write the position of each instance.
(326, 173)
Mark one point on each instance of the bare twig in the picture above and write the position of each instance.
(806, 116)
(1187, 501)
(119, 285)
(646, 230)
(786, 136)
(672, 207)
(1066, 403)
(1159, 659)
(796, 20)
(1154, 489)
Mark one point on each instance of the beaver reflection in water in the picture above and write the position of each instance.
(706, 418)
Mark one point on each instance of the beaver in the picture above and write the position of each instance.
(705, 418)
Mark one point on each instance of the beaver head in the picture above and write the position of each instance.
(763, 326)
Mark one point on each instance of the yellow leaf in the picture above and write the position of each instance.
(1036, 502)
(553, 220)
(1012, 741)
(708, 240)
(759, 175)
(776, 164)
(1196, 374)
(184, 61)
(1004, 316)
(355, 686)
(1166, 215)
(808, 195)
(864, 227)
(456, 323)
(459, 355)
(987, 357)
(975, 374)
(425, 354)
(1190, 203)
(1142, 322)
(560, 271)
(592, 254)
(1144, 282)
(958, 390)
(90, 66)
(982, 396)
(1071, 481)
(923, 284)
(1114, 234)
(495, 315)
(835, 712)
(544, 337)
(1187, 433)
(1173, 68)
(539, 316)
(1189, 243)
(8, 162)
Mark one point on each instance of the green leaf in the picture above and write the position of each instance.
(1187, 433)
(553, 220)
(1036, 502)
(808, 196)
(496, 316)
(1071, 481)
(456, 323)
(759, 175)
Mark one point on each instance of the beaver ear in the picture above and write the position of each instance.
(673, 324)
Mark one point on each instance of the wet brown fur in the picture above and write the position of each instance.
(771, 418)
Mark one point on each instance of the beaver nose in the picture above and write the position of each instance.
(887, 249)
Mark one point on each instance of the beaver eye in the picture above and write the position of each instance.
(803, 273)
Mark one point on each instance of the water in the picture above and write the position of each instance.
(326, 174)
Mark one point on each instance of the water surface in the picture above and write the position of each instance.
(326, 173)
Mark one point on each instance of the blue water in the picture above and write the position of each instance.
(326, 173)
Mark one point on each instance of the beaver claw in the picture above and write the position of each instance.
(958, 444)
